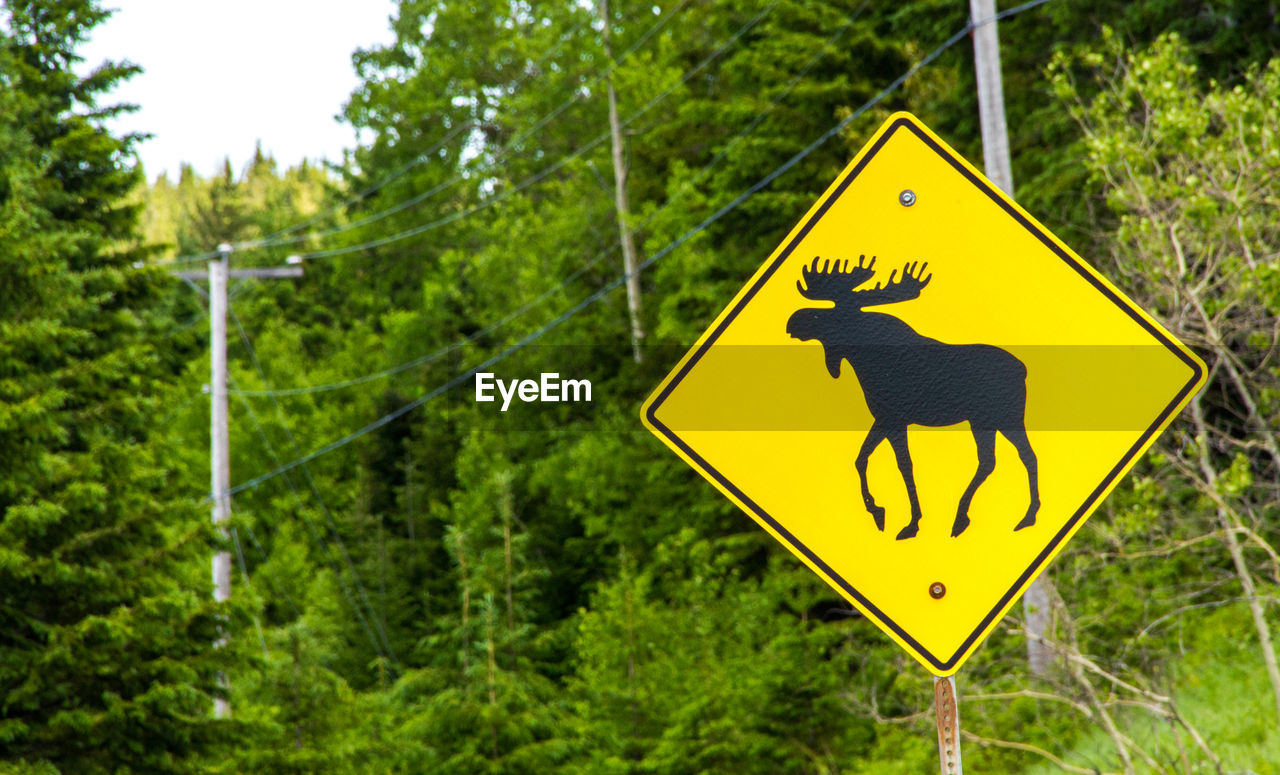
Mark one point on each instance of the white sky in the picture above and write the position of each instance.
(219, 76)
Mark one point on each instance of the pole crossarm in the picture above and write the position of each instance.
(265, 272)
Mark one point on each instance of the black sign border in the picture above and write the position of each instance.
(1111, 477)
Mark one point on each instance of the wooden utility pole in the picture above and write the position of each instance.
(220, 447)
(986, 59)
(219, 430)
(995, 155)
(629, 262)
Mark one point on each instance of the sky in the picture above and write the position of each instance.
(220, 76)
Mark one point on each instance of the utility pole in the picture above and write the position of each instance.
(219, 433)
(219, 429)
(620, 197)
(995, 155)
(986, 59)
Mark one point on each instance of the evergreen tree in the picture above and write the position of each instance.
(560, 592)
(107, 663)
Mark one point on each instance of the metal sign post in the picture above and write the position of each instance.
(947, 706)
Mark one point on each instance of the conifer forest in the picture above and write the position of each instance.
(422, 582)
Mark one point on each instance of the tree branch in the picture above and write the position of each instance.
(1029, 748)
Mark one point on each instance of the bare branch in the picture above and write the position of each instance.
(1035, 749)
(1031, 694)
(1115, 680)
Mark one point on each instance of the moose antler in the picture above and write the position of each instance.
(833, 282)
(913, 281)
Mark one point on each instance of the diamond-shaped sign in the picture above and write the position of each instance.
(923, 393)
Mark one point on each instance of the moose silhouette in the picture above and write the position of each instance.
(912, 379)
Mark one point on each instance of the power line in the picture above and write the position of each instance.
(528, 182)
(608, 69)
(278, 237)
(537, 177)
(689, 186)
(441, 352)
(324, 507)
(576, 97)
(616, 282)
(426, 155)
(197, 257)
(1005, 14)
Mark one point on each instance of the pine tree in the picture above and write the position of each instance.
(106, 656)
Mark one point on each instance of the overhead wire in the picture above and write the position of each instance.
(539, 176)
(526, 183)
(519, 311)
(442, 351)
(427, 155)
(576, 97)
(279, 237)
(618, 281)
(642, 41)
(302, 463)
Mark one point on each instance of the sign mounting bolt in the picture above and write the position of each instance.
(937, 589)
(907, 197)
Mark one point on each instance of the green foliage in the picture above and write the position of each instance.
(107, 661)
(195, 215)
(462, 590)
(559, 593)
(690, 667)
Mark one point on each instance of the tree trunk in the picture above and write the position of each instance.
(620, 198)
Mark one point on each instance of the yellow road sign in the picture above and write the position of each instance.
(923, 393)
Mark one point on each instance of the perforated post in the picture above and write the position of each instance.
(947, 707)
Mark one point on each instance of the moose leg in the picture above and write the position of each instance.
(898, 438)
(873, 439)
(1018, 436)
(986, 441)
